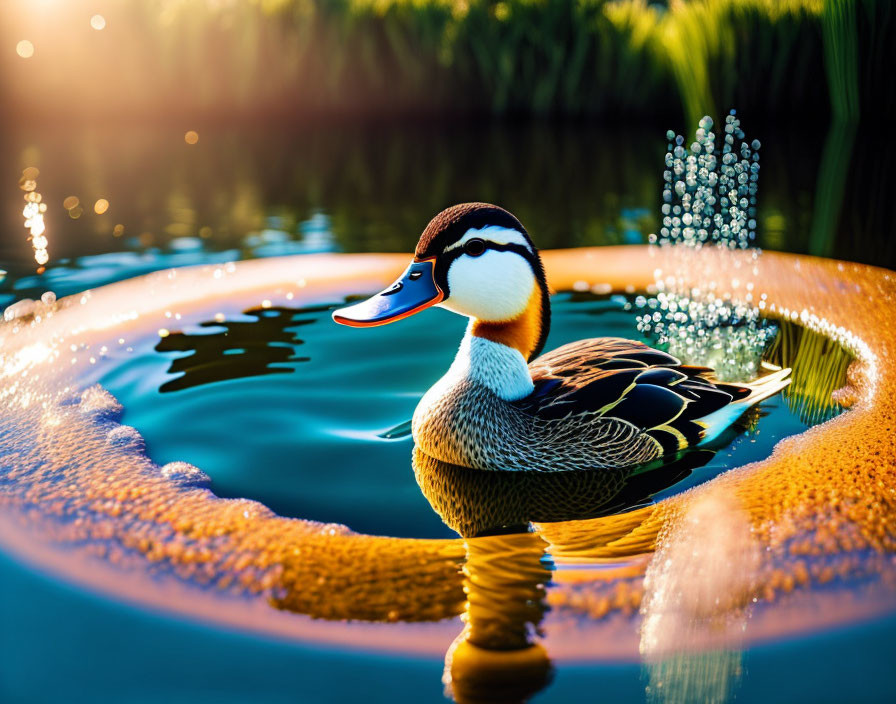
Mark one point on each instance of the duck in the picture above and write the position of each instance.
(594, 404)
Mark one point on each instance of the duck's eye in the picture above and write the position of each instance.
(474, 247)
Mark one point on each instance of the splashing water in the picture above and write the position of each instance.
(709, 199)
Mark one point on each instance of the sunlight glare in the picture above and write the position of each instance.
(25, 49)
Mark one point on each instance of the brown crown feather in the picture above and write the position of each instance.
(451, 224)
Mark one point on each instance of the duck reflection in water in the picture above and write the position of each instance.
(508, 567)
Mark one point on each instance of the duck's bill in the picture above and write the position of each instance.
(413, 291)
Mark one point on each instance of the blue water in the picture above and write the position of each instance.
(284, 406)
(61, 644)
(288, 408)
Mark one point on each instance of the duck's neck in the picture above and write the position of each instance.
(522, 333)
(499, 367)
(495, 354)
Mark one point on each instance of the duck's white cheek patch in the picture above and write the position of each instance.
(495, 286)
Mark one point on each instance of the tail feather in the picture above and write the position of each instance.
(761, 389)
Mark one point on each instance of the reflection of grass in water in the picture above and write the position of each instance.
(819, 367)
(841, 55)
(833, 176)
(379, 185)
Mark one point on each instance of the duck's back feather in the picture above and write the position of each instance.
(627, 380)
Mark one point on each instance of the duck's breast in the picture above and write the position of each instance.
(457, 421)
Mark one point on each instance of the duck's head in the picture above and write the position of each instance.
(476, 260)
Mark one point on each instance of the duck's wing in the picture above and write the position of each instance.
(629, 381)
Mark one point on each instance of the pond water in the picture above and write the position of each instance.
(280, 405)
(243, 192)
(285, 407)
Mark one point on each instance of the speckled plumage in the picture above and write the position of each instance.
(596, 404)
(471, 426)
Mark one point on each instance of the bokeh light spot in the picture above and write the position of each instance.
(118, 230)
(75, 212)
(25, 49)
(71, 202)
(101, 206)
(98, 22)
(191, 137)
(33, 212)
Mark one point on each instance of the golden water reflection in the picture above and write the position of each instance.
(496, 657)
(508, 567)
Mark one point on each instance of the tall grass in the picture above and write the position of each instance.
(572, 57)
(833, 175)
(755, 54)
(841, 53)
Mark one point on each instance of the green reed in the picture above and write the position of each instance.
(743, 52)
(841, 53)
(572, 57)
(819, 368)
(833, 176)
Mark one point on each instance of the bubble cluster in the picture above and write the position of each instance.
(709, 199)
(708, 195)
(698, 328)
